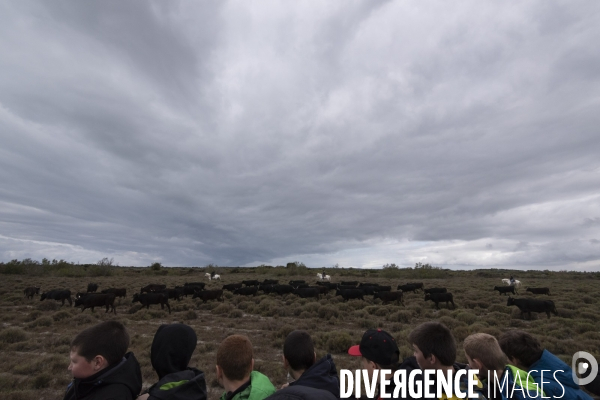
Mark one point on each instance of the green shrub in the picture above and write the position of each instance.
(588, 300)
(33, 315)
(225, 308)
(490, 330)
(466, 317)
(367, 324)
(400, 316)
(83, 319)
(339, 342)
(59, 316)
(157, 314)
(42, 381)
(569, 305)
(460, 333)
(267, 305)
(43, 321)
(48, 305)
(497, 319)
(566, 313)
(100, 270)
(312, 307)
(327, 312)
(283, 312)
(284, 331)
(582, 327)
(450, 322)
(499, 308)
(589, 316)
(12, 335)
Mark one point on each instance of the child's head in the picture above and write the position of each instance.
(483, 353)
(521, 348)
(434, 345)
(235, 359)
(98, 347)
(378, 350)
(172, 348)
(299, 351)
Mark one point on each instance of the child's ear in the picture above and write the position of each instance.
(99, 362)
(431, 359)
(286, 364)
(479, 364)
(373, 364)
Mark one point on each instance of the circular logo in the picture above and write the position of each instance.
(584, 364)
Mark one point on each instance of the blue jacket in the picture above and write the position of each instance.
(525, 388)
(321, 375)
(557, 384)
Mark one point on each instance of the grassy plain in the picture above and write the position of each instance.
(35, 336)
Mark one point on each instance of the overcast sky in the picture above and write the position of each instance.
(464, 135)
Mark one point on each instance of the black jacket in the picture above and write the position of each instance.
(302, 393)
(122, 381)
(321, 375)
(183, 385)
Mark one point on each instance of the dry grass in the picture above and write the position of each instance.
(35, 336)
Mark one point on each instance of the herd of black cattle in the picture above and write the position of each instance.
(160, 294)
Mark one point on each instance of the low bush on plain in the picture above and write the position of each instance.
(401, 316)
(339, 342)
(327, 312)
(48, 305)
(59, 316)
(42, 321)
(223, 309)
(12, 335)
(33, 315)
(466, 317)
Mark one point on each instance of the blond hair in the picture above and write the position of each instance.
(486, 349)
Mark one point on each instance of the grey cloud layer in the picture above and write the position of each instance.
(241, 133)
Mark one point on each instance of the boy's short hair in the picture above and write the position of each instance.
(435, 338)
(234, 357)
(108, 339)
(522, 346)
(486, 349)
(299, 350)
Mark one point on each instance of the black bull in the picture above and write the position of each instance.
(92, 300)
(152, 298)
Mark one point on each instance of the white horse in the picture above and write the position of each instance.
(517, 282)
(217, 276)
(326, 278)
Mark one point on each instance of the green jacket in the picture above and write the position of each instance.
(259, 389)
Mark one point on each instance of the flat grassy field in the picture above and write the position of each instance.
(35, 336)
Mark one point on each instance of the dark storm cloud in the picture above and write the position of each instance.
(358, 133)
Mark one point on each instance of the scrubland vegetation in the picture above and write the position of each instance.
(35, 336)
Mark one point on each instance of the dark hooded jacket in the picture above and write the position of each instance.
(302, 393)
(171, 351)
(321, 375)
(122, 381)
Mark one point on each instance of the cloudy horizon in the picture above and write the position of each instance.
(356, 133)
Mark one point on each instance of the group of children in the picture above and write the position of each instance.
(511, 368)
